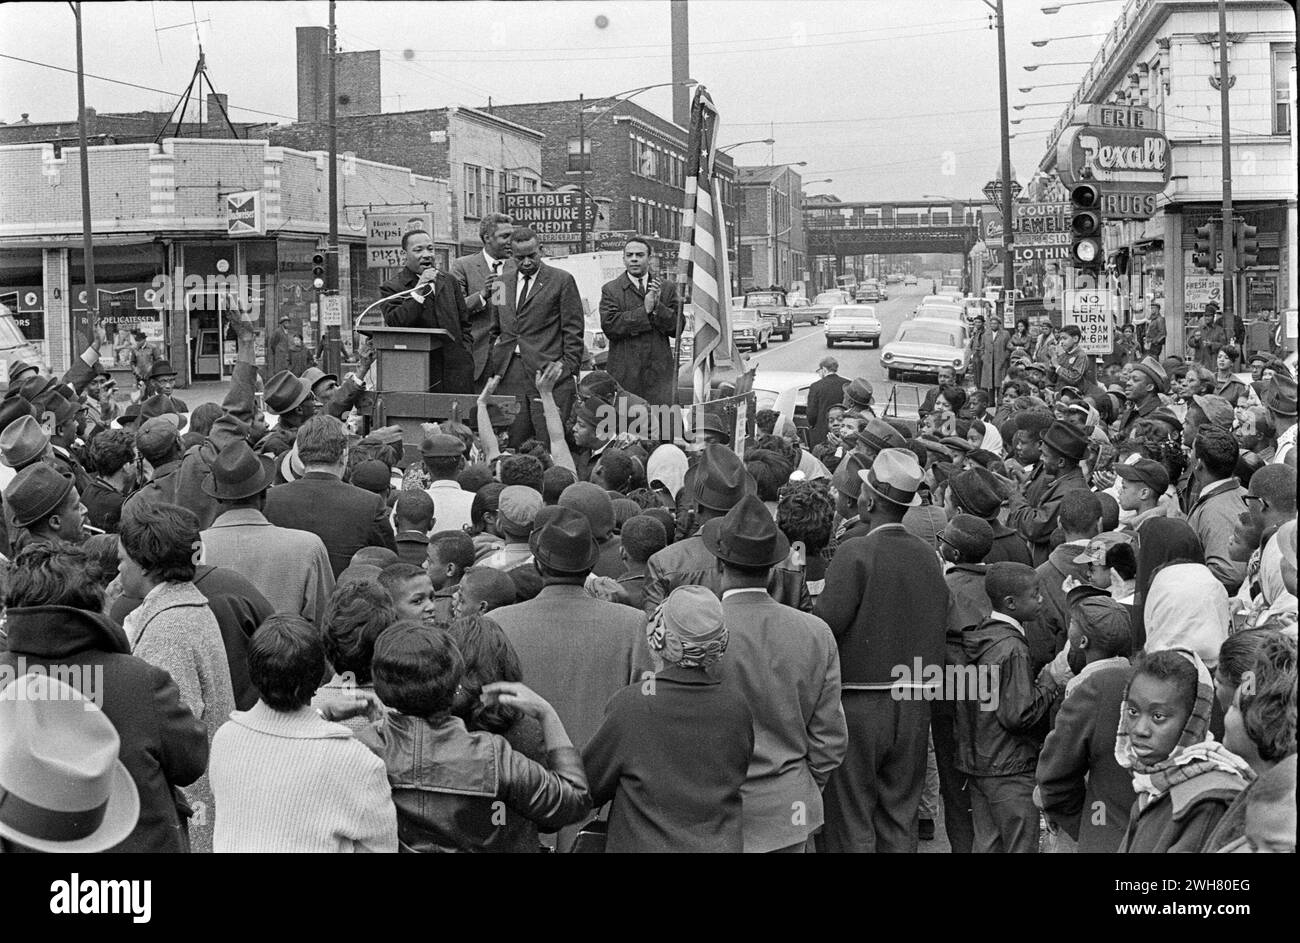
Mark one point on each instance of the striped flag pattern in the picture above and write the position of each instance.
(703, 280)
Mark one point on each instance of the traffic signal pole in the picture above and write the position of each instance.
(1228, 229)
(332, 354)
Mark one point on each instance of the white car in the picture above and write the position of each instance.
(909, 279)
(820, 309)
(940, 312)
(785, 391)
(923, 346)
(853, 323)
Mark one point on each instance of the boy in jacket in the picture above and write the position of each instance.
(996, 746)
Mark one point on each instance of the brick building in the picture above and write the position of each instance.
(772, 248)
(167, 250)
(356, 78)
(139, 127)
(631, 157)
(481, 155)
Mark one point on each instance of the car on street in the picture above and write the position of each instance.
(940, 311)
(820, 309)
(923, 345)
(785, 391)
(749, 329)
(857, 323)
(775, 308)
(909, 279)
(893, 277)
(868, 293)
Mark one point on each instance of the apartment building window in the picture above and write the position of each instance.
(940, 217)
(471, 191)
(514, 183)
(530, 185)
(1283, 63)
(580, 153)
(491, 203)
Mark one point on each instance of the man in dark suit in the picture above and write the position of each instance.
(539, 320)
(345, 517)
(440, 306)
(477, 275)
(638, 313)
(822, 395)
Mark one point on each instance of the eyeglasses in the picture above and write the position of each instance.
(1250, 499)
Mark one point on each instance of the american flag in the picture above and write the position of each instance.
(702, 277)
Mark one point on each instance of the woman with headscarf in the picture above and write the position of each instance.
(1275, 599)
(1186, 607)
(646, 758)
(665, 471)
(984, 435)
(1183, 778)
(1161, 540)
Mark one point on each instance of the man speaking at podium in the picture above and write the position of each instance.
(436, 302)
(537, 319)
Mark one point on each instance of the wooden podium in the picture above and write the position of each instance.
(408, 381)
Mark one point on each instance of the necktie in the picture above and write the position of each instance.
(523, 290)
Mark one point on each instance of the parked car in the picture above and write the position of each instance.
(923, 346)
(785, 391)
(14, 346)
(749, 329)
(820, 309)
(940, 312)
(857, 323)
(774, 308)
(909, 279)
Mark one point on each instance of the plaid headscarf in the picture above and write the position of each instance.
(1196, 752)
(687, 629)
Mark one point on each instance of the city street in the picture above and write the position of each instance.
(803, 351)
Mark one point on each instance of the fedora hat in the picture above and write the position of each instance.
(1280, 394)
(746, 535)
(718, 480)
(54, 401)
(35, 386)
(710, 421)
(12, 409)
(22, 442)
(18, 369)
(290, 465)
(896, 476)
(284, 393)
(161, 368)
(562, 541)
(313, 375)
(858, 394)
(238, 472)
(63, 785)
(880, 435)
(1152, 368)
(846, 477)
(1067, 440)
(36, 492)
(129, 416)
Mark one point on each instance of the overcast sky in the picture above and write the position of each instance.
(891, 99)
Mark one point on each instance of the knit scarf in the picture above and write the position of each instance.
(1196, 752)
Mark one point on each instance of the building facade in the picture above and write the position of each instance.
(771, 235)
(1163, 55)
(179, 228)
(626, 155)
(481, 155)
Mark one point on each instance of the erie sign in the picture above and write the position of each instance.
(1090, 310)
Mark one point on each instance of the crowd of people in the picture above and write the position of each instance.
(1057, 613)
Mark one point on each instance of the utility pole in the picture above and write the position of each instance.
(1229, 253)
(87, 244)
(1008, 265)
(583, 162)
(332, 354)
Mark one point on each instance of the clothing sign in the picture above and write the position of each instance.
(384, 232)
(1090, 310)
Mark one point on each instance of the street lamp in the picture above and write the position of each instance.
(1056, 7)
(1004, 130)
(1038, 105)
(768, 141)
(1030, 88)
(586, 156)
(1044, 65)
(1040, 43)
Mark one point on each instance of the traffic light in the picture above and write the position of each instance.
(1206, 248)
(1085, 226)
(1247, 246)
(318, 271)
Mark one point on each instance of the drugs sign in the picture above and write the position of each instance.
(1090, 310)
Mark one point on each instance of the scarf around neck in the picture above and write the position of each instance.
(1196, 753)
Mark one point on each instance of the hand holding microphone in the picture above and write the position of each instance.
(651, 293)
